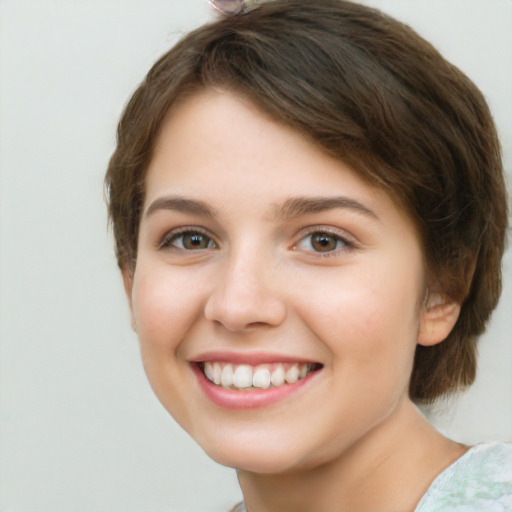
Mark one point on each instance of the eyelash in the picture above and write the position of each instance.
(328, 232)
(169, 239)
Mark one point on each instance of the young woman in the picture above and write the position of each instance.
(309, 211)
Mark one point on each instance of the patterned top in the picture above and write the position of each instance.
(480, 480)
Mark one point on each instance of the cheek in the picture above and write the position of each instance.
(165, 305)
(366, 314)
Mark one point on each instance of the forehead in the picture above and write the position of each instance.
(219, 146)
(219, 134)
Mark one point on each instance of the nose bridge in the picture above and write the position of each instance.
(247, 292)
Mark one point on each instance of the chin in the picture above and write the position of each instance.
(263, 464)
(253, 456)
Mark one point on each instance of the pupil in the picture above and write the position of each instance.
(195, 241)
(323, 242)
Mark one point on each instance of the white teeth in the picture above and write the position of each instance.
(292, 375)
(277, 377)
(261, 378)
(217, 373)
(243, 377)
(227, 376)
(208, 370)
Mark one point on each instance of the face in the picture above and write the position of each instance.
(276, 296)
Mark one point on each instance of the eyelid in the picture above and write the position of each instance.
(165, 241)
(346, 238)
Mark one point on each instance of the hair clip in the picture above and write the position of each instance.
(228, 7)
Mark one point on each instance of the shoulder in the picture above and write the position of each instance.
(480, 480)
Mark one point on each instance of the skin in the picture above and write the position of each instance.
(260, 284)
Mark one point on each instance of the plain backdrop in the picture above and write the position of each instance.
(80, 430)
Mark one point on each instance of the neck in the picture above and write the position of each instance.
(390, 468)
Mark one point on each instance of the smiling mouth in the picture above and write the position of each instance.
(264, 376)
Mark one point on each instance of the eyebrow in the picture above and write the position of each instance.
(291, 208)
(297, 206)
(180, 204)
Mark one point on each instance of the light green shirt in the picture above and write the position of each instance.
(479, 481)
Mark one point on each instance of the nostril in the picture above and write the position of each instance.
(236, 312)
(255, 325)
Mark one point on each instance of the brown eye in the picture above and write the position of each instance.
(324, 242)
(190, 241)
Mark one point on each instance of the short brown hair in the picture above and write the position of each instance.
(371, 92)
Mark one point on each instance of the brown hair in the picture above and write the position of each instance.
(370, 91)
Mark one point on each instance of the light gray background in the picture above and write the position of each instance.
(79, 427)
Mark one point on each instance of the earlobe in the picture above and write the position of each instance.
(438, 317)
(128, 287)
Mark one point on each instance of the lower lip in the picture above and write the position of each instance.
(232, 399)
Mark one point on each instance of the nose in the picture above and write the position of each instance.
(247, 295)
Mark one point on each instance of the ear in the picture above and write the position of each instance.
(438, 317)
(128, 287)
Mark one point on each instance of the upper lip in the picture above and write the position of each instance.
(250, 358)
